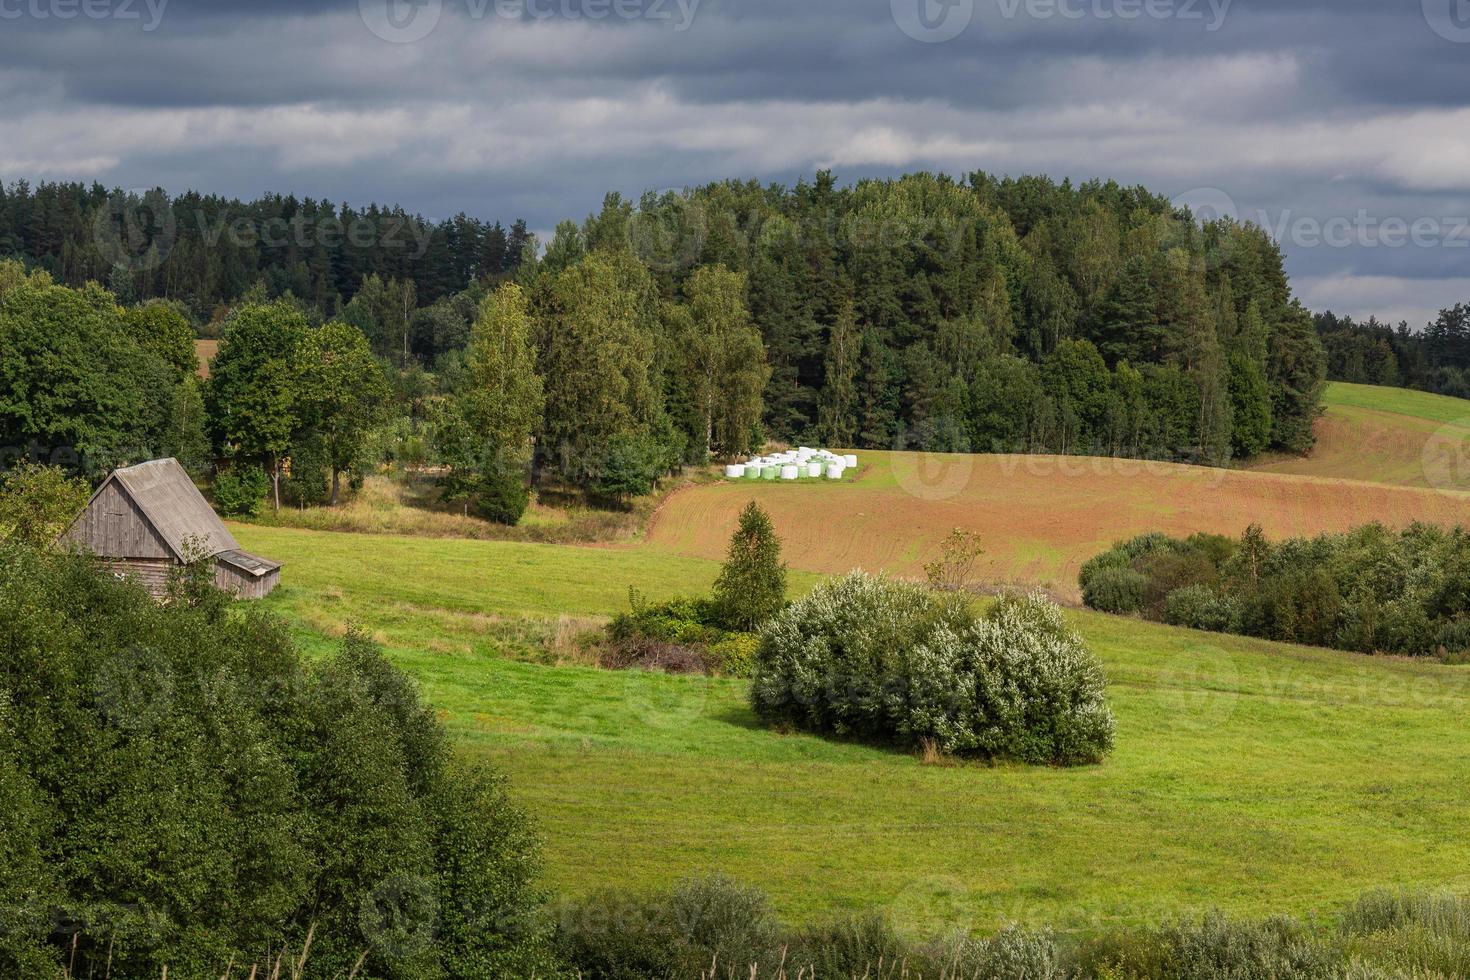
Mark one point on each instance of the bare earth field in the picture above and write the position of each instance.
(1040, 517)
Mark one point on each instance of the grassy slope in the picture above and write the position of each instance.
(1386, 435)
(1247, 775)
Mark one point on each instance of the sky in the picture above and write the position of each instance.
(1342, 126)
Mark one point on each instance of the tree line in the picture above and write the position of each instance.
(1435, 359)
(206, 251)
(989, 314)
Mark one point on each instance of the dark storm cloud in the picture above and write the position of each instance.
(1333, 123)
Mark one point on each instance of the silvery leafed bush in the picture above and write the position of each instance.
(875, 659)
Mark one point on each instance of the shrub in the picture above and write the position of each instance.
(1198, 607)
(1371, 589)
(752, 584)
(736, 654)
(1115, 589)
(240, 491)
(216, 795)
(38, 503)
(500, 495)
(877, 659)
(1016, 954)
(852, 946)
(1217, 948)
(703, 922)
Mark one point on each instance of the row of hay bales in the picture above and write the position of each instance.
(796, 464)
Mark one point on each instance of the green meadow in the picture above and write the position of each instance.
(1248, 776)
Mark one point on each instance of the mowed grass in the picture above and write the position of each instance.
(1040, 517)
(1247, 776)
(1386, 435)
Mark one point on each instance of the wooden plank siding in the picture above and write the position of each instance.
(152, 574)
(115, 527)
(244, 585)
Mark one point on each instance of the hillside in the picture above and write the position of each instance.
(1247, 775)
(1040, 517)
(1385, 435)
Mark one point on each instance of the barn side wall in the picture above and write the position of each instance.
(245, 586)
(152, 573)
(113, 527)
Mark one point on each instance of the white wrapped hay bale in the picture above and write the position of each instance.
(790, 471)
(814, 469)
(849, 461)
(834, 471)
(735, 471)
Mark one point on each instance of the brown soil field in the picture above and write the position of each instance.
(205, 351)
(1040, 517)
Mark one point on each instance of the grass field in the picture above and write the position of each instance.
(1386, 435)
(1247, 775)
(1040, 517)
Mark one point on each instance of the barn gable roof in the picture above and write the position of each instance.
(174, 506)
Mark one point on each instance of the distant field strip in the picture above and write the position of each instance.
(1040, 517)
(1387, 435)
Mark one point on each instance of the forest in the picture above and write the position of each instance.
(1435, 359)
(989, 314)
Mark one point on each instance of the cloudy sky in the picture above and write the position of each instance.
(1342, 125)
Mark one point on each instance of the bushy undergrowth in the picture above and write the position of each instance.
(1370, 590)
(888, 661)
(681, 635)
(179, 789)
(717, 929)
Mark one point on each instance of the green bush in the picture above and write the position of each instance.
(1217, 948)
(500, 495)
(1115, 589)
(1370, 590)
(38, 503)
(197, 793)
(1198, 607)
(703, 923)
(852, 946)
(736, 654)
(239, 492)
(888, 661)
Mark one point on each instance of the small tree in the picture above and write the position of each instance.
(951, 571)
(37, 503)
(340, 391)
(752, 584)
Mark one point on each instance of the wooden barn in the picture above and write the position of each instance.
(141, 521)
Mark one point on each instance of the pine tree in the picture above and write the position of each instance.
(751, 588)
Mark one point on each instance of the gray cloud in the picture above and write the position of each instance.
(1334, 123)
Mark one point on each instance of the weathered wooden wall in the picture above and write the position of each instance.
(114, 526)
(244, 585)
